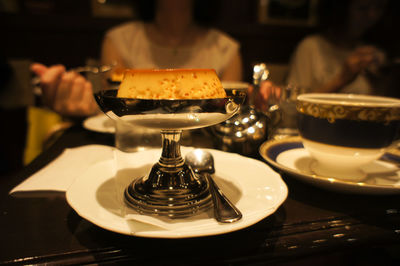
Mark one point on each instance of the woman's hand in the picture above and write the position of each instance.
(267, 95)
(67, 93)
(363, 58)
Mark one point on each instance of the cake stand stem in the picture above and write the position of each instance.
(171, 149)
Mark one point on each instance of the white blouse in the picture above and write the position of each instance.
(215, 51)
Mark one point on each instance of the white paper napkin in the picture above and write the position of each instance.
(60, 173)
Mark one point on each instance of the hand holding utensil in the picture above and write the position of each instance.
(81, 69)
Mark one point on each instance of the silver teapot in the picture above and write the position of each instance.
(243, 133)
(249, 128)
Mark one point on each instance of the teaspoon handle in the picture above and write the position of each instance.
(224, 210)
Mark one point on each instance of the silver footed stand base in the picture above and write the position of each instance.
(171, 188)
(174, 198)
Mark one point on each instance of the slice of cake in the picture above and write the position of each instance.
(171, 84)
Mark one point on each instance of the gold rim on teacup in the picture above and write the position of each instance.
(332, 106)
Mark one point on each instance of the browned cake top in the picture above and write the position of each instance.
(171, 84)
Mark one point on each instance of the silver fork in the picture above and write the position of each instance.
(80, 69)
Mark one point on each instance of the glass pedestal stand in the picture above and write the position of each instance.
(171, 188)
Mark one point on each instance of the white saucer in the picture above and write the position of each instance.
(97, 195)
(288, 155)
(99, 123)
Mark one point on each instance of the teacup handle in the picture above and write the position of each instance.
(274, 113)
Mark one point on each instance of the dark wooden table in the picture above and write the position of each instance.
(312, 227)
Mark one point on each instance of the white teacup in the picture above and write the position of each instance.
(343, 132)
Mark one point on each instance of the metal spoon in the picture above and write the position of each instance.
(202, 162)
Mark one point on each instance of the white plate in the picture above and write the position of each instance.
(289, 156)
(251, 184)
(99, 123)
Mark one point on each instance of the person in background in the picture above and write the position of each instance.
(338, 58)
(172, 34)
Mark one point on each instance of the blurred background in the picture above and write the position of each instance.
(70, 32)
(268, 30)
(38, 29)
